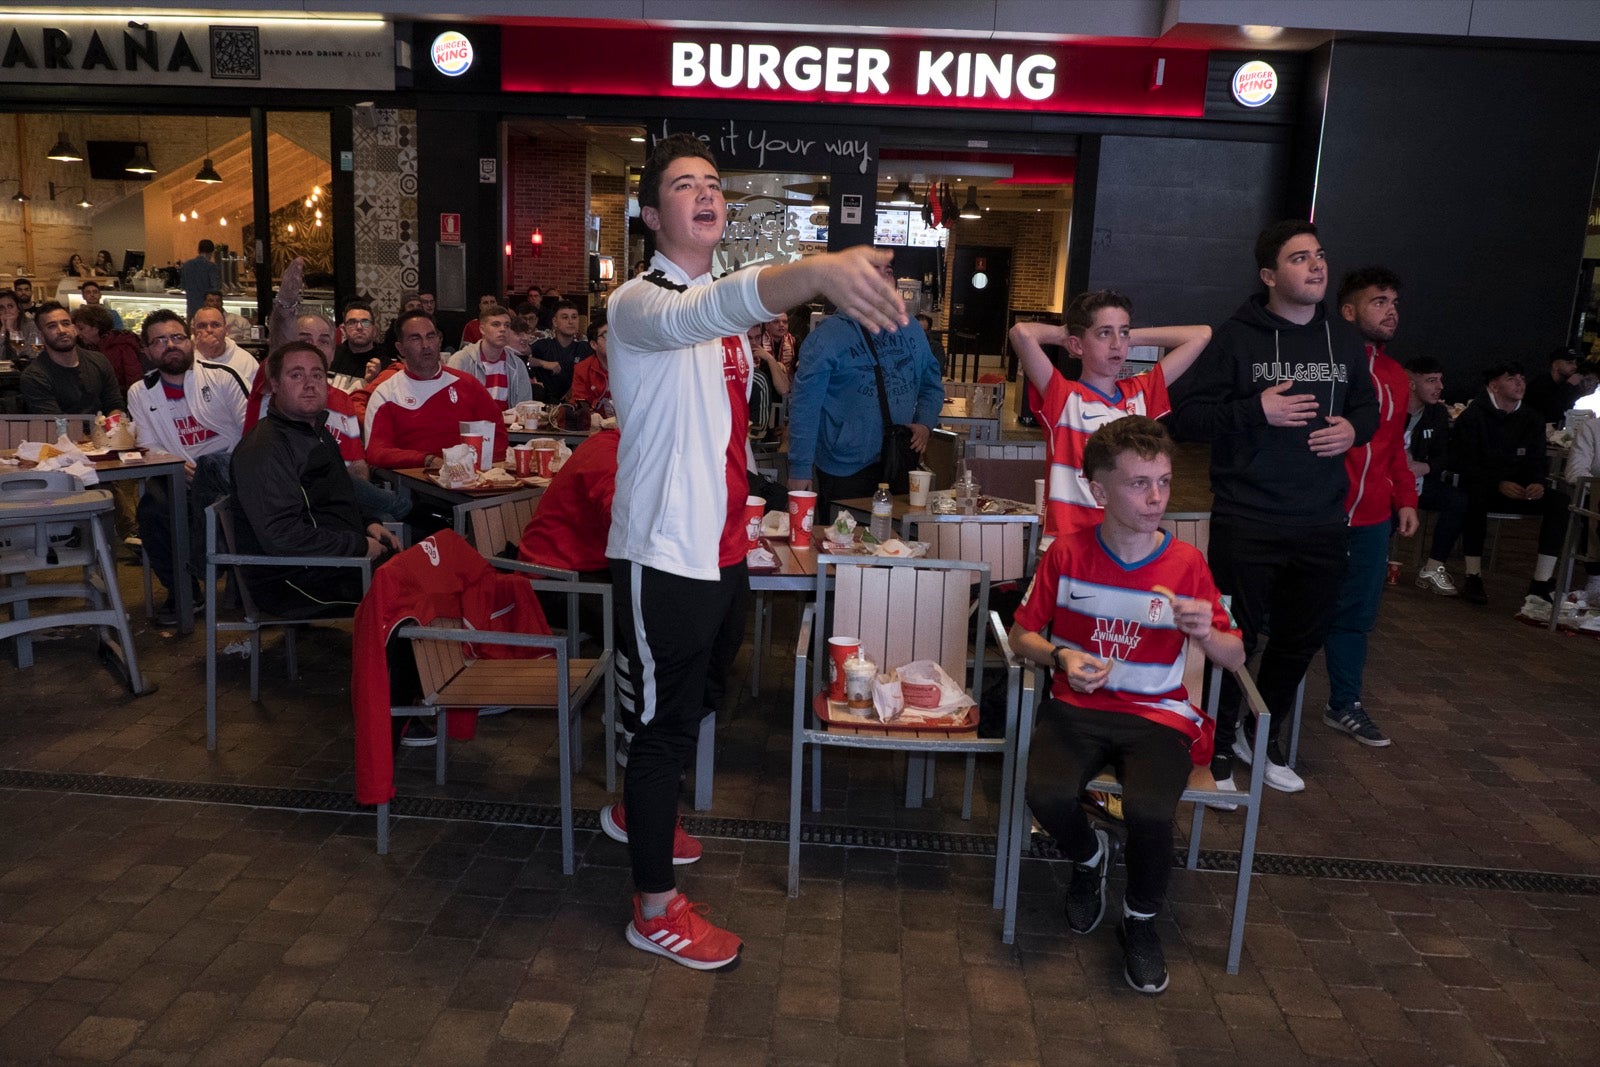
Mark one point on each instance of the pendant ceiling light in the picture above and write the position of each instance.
(902, 195)
(207, 173)
(140, 163)
(971, 210)
(820, 199)
(64, 151)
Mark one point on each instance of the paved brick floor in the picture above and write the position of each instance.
(143, 931)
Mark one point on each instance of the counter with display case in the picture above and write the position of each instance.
(134, 306)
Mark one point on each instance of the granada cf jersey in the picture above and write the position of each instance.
(1085, 598)
(1070, 412)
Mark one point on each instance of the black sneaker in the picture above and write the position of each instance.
(1086, 893)
(1545, 590)
(419, 732)
(1144, 964)
(1355, 721)
(1472, 589)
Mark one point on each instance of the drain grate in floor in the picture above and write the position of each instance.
(903, 840)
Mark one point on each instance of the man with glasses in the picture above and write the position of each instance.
(212, 344)
(416, 411)
(183, 408)
(361, 355)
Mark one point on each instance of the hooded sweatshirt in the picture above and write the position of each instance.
(1380, 480)
(1268, 473)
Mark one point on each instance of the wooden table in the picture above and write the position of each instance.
(155, 465)
(573, 438)
(417, 480)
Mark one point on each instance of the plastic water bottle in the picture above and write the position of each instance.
(882, 527)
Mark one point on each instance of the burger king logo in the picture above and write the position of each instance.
(1253, 84)
(452, 54)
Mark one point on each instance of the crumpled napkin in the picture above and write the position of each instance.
(775, 524)
(760, 557)
(951, 698)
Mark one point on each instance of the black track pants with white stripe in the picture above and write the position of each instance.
(676, 639)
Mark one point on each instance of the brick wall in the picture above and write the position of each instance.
(547, 187)
(1037, 241)
(608, 198)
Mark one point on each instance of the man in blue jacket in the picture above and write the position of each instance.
(1281, 394)
(835, 421)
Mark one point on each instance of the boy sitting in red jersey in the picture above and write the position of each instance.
(1098, 330)
(1111, 610)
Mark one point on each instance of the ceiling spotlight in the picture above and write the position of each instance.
(208, 173)
(1262, 33)
(971, 210)
(637, 140)
(902, 195)
(308, 201)
(86, 202)
(64, 151)
(223, 221)
(290, 227)
(316, 190)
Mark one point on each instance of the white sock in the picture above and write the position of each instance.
(1474, 565)
(1544, 568)
(1129, 913)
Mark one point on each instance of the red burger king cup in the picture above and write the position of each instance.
(802, 510)
(546, 455)
(839, 650)
(754, 508)
(475, 441)
(523, 455)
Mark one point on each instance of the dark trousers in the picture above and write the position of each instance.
(1359, 596)
(212, 481)
(676, 638)
(1284, 581)
(1070, 746)
(1450, 503)
(1483, 498)
(832, 488)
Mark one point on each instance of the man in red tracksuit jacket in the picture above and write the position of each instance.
(1381, 486)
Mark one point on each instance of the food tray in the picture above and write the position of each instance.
(837, 713)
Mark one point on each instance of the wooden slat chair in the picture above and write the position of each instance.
(222, 555)
(901, 610)
(451, 679)
(493, 525)
(15, 429)
(1010, 479)
(1583, 511)
(50, 522)
(1009, 545)
(1200, 792)
(1032, 450)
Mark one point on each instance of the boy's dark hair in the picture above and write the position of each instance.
(1502, 367)
(1143, 436)
(595, 325)
(360, 305)
(94, 315)
(205, 247)
(1421, 365)
(491, 311)
(1367, 278)
(1270, 241)
(563, 305)
(156, 318)
(275, 358)
(41, 310)
(89, 285)
(1085, 306)
(677, 146)
(521, 324)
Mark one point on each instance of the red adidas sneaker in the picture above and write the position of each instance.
(684, 936)
(685, 849)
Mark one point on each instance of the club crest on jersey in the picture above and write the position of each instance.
(1156, 604)
(430, 550)
(452, 394)
(735, 368)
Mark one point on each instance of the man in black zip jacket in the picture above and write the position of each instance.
(1280, 394)
(294, 497)
(1428, 456)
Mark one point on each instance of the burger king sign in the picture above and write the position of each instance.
(452, 54)
(1254, 83)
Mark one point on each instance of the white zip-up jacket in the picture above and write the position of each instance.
(672, 357)
(217, 397)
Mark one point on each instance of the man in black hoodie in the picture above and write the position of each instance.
(1281, 393)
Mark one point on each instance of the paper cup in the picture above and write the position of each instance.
(1038, 494)
(475, 442)
(802, 510)
(546, 457)
(839, 650)
(524, 457)
(754, 508)
(1393, 577)
(921, 483)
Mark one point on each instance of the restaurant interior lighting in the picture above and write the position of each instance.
(19, 196)
(140, 163)
(902, 195)
(971, 209)
(1262, 33)
(821, 199)
(223, 221)
(207, 173)
(83, 200)
(64, 151)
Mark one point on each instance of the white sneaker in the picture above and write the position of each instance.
(1241, 749)
(1225, 785)
(1437, 580)
(1283, 778)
